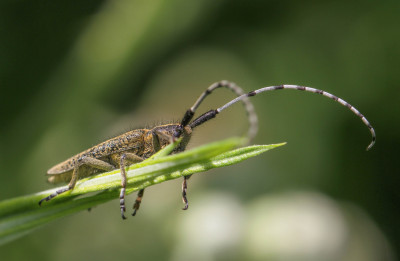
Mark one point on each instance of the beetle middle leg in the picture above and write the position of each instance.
(132, 158)
(184, 192)
(89, 161)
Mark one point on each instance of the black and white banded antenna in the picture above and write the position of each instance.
(251, 114)
(212, 113)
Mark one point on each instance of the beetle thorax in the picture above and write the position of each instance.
(165, 135)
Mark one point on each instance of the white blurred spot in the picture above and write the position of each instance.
(211, 225)
(298, 226)
(293, 226)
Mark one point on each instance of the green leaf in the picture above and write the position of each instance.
(21, 215)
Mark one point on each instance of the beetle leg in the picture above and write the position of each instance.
(92, 162)
(138, 201)
(156, 147)
(130, 157)
(184, 192)
(156, 144)
(70, 186)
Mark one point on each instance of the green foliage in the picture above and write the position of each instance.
(21, 215)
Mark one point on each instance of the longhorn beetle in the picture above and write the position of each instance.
(137, 145)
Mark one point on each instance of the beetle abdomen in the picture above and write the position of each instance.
(125, 142)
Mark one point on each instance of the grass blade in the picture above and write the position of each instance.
(21, 215)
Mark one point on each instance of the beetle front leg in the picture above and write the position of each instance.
(184, 192)
(156, 143)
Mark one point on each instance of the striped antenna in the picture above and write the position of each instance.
(251, 114)
(307, 89)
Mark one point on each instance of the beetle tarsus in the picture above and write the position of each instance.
(58, 192)
(184, 193)
(43, 199)
(122, 203)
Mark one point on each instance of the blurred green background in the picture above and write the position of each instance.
(73, 74)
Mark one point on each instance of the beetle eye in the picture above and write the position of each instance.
(178, 131)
